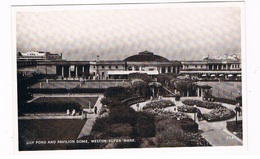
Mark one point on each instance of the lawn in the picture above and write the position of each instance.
(83, 101)
(47, 130)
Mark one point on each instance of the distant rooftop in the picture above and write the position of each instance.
(146, 56)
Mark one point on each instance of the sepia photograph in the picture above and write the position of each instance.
(124, 76)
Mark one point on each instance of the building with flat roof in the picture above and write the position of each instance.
(38, 56)
(212, 68)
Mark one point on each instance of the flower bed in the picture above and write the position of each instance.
(219, 114)
(176, 115)
(197, 140)
(203, 104)
(159, 104)
(187, 109)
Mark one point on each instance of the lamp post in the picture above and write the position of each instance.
(237, 109)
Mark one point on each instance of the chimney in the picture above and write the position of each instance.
(97, 58)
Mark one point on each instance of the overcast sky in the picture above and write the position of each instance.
(116, 32)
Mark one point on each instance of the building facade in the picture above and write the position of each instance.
(38, 56)
(143, 62)
(212, 68)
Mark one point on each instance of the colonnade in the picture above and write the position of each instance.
(223, 66)
(168, 69)
(72, 68)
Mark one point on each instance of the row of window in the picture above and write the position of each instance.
(136, 68)
(224, 66)
(109, 67)
(235, 66)
(196, 66)
(32, 57)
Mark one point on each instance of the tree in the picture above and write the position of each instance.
(119, 114)
(139, 86)
(145, 126)
(184, 85)
(144, 76)
(154, 86)
(166, 79)
(116, 94)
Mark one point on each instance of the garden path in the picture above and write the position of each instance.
(91, 119)
(33, 99)
(214, 132)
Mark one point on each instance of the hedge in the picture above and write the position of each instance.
(189, 125)
(228, 101)
(63, 90)
(46, 107)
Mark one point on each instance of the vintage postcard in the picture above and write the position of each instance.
(129, 76)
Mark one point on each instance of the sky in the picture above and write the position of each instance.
(177, 32)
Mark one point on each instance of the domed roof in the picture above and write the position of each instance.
(146, 56)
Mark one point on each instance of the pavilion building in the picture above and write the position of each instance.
(143, 62)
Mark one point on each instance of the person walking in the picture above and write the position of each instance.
(199, 115)
(95, 109)
(68, 112)
(137, 107)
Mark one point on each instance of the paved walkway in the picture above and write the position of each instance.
(91, 119)
(34, 98)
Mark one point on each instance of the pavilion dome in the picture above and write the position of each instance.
(146, 56)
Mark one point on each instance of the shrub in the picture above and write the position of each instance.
(122, 115)
(101, 124)
(119, 130)
(168, 134)
(145, 126)
(189, 125)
